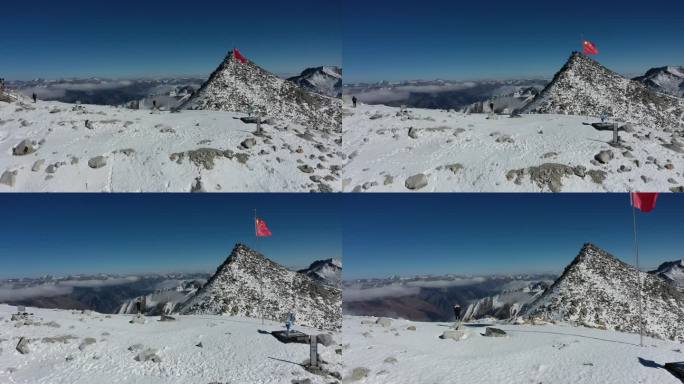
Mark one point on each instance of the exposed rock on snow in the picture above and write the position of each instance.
(24, 148)
(417, 181)
(9, 178)
(97, 162)
(22, 346)
(598, 290)
(494, 332)
(585, 87)
(249, 284)
(247, 88)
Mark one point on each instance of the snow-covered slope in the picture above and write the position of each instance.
(326, 80)
(585, 87)
(671, 271)
(668, 80)
(557, 354)
(249, 284)
(598, 290)
(245, 87)
(68, 347)
(145, 151)
(385, 146)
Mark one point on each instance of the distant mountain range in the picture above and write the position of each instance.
(101, 91)
(103, 293)
(428, 298)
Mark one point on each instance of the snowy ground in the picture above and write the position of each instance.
(528, 354)
(233, 351)
(139, 148)
(459, 152)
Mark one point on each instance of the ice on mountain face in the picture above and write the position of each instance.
(325, 80)
(668, 80)
(249, 284)
(584, 87)
(245, 87)
(597, 290)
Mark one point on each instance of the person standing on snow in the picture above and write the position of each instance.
(289, 323)
(354, 100)
(34, 97)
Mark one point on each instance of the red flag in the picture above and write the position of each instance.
(589, 48)
(644, 201)
(261, 228)
(238, 56)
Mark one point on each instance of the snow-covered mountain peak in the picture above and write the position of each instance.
(328, 271)
(245, 87)
(585, 87)
(326, 80)
(671, 271)
(598, 290)
(249, 284)
(669, 79)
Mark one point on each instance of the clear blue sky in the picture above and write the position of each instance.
(405, 39)
(499, 233)
(153, 38)
(120, 233)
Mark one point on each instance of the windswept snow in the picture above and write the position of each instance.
(232, 350)
(556, 354)
(453, 151)
(143, 151)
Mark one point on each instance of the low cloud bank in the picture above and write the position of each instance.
(65, 287)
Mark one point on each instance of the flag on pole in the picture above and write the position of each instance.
(644, 201)
(238, 56)
(589, 48)
(261, 228)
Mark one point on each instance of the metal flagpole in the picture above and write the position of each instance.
(636, 249)
(261, 275)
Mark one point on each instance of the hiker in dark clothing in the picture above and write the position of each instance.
(138, 306)
(491, 106)
(34, 98)
(354, 101)
(154, 104)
